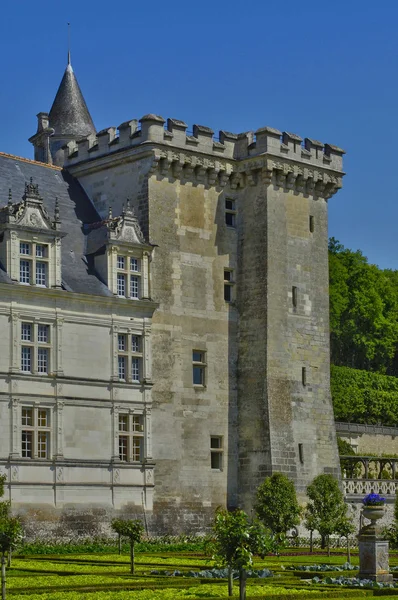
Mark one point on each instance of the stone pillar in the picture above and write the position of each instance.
(373, 550)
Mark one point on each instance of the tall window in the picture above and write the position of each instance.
(36, 429)
(128, 277)
(131, 438)
(216, 452)
(35, 348)
(228, 285)
(129, 357)
(33, 263)
(230, 212)
(198, 367)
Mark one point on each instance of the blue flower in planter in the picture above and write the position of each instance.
(373, 500)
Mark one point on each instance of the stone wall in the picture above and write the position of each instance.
(373, 439)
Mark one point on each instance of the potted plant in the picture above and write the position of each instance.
(373, 507)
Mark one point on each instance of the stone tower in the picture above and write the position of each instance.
(240, 339)
(69, 119)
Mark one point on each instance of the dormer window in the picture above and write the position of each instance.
(33, 264)
(128, 277)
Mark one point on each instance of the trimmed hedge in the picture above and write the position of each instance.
(364, 396)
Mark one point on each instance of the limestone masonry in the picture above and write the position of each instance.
(163, 318)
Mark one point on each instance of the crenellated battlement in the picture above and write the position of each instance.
(153, 129)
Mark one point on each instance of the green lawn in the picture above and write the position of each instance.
(106, 576)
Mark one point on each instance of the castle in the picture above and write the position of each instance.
(163, 316)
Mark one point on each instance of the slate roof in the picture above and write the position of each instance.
(78, 274)
(69, 114)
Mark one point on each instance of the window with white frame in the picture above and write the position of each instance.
(199, 368)
(129, 357)
(128, 277)
(216, 452)
(131, 438)
(35, 348)
(33, 263)
(35, 432)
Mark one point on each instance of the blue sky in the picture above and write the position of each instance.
(322, 70)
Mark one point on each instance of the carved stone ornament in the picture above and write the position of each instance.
(126, 227)
(31, 212)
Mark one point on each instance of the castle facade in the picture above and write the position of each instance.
(163, 316)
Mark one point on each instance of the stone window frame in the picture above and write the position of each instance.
(137, 277)
(230, 212)
(35, 345)
(131, 356)
(216, 452)
(143, 354)
(13, 257)
(36, 431)
(131, 436)
(199, 366)
(229, 285)
(33, 258)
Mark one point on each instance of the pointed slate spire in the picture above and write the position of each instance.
(69, 114)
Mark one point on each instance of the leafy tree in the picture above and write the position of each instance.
(345, 528)
(235, 541)
(326, 508)
(10, 534)
(276, 505)
(363, 311)
(133, 530)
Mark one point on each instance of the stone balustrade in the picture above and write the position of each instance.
(364, 475)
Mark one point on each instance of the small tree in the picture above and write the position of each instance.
(235, 542)
(276, 505)
(132, 530)
(345, 528)
(326, 507)
(10, 534)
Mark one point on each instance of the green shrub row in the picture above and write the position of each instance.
(364, 396)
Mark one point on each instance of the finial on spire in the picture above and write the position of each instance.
(110, 212)
(69, 63)
(9, 196)
(56, 210)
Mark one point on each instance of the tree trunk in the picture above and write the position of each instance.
(132, 557)
(230, 582)
(329, 546)
(311, 542)
(348, 550)
(323, 542)
(120, 544)
(9, 558)
(242, 584)
(3, 576)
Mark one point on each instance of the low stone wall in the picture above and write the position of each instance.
(369, 439)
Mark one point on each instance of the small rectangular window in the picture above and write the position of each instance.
(120, 262)
(312, 224)
(122, 367)
(134, 287)
(230, 213)
(121, 342)
(135, 369)
(137, 423)
(301, 453)
(42, 444)
(27, 444)
(43, 418)
(304, 376)
(41, 251)
(42, 334)
(228, 285)
(123, 447)
(121, 285)
(27, 417)
(134, 265)
(198, 367)
(294, 296)
(42, 360)
(24, 271)
(24, 248)
(135, 343)
(137, 449)
(41, 268)
(123, 423)
(216, 452)
(26, 332)
(26, 359)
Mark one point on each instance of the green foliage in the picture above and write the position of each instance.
(326, 510)
(10, 533)
(345, 447)
(2, 482)
(236, 539)
(364, 397)
(276, 504)
(363, 311)
(133, 529)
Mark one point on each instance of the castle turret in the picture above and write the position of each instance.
(69, 119)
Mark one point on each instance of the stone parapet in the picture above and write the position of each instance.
(174, 134)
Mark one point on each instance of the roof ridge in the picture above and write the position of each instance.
(28, 160)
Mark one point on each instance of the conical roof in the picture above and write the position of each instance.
(69, 114)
